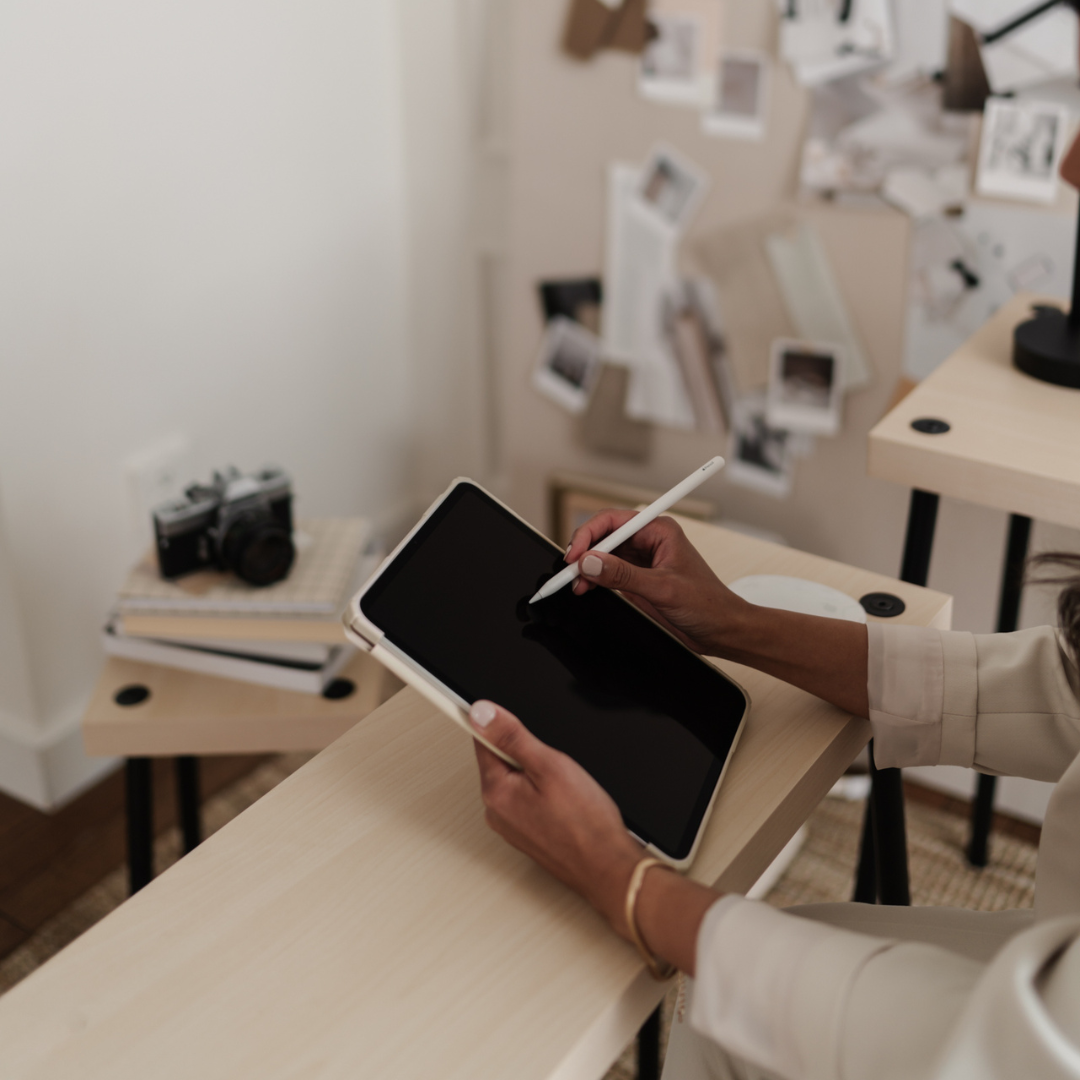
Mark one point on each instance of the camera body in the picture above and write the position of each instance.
(236, 522)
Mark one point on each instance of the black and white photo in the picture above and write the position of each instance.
(759, 453)
(567, 364)
(740, 97)
(1021, 148)
(804, 392)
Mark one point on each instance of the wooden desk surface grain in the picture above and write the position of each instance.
(1014, 443)
(361, 920)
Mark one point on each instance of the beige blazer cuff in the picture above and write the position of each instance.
(923, 693)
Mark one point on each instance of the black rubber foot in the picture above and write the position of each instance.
(1047, 347)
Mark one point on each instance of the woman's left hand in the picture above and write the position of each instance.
(555, 812)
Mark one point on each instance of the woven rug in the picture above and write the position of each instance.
(824, 870)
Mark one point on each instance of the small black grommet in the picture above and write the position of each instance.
(337, 689)
(882, 604)
(930, 425)
(131, 695)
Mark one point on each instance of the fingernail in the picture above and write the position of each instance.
(482, 713)
(569, 546)
(592, 565)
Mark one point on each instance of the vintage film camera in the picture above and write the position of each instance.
(238, 523)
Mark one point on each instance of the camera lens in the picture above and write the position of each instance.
(258, 549)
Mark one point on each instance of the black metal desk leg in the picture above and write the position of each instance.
(866, 874)
(139, 785)
(1012, 587)
(648, 1048)
(922, 517)
(890, 834)
(885, 811)
(187, 793)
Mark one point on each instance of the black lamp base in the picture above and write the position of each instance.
(1047, 347)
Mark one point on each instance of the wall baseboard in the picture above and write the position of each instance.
(49, 772)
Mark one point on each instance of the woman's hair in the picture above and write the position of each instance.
(1069, 600)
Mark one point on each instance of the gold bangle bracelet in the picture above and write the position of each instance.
(658, 972)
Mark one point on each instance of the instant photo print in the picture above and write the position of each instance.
(568, 364)
(1021, 149)
(740, 97)
(671, 188)
(804, 387)
(670, 64)
(760, 455)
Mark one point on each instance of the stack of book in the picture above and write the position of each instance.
(286, 635)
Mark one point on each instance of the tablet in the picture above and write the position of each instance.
(591, 675)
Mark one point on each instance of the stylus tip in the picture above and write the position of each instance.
(536, 596)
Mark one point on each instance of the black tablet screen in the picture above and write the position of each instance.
(591, 675)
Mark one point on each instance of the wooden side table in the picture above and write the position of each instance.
(141, 711)
(362, 920)
(978, 429)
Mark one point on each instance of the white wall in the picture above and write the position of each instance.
(203, 230)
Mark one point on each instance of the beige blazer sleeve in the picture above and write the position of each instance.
(1001, 703)
(804, 999)
(808, 1001)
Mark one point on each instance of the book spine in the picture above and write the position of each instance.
(201, 663)
(328, 631)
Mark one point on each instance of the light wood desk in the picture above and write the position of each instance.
(1013, 443)
(186, 715)
(361, 920)
(202, 714)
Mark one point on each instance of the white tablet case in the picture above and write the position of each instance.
(367, 636)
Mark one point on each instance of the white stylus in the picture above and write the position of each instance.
(639, 521)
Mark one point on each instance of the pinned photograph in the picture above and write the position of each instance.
(670, 66)
(568, 364)
(759, 454)
(740, 97)
(671, 187)
(804, 387)
(1022, 145)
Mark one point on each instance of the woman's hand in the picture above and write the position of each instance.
(555, 812)
(661, 572)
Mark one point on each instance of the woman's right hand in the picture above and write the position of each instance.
(661, 572)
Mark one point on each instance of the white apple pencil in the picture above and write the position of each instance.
(639, 521)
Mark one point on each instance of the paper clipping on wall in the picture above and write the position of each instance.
(759, 456)
(860, 131)
(804, 392)
(921, 34)
(567, 364)
(750, 301)
(639, 270)
(739, 102)
(927, 192)
(823, 40)
(817, 310)
(592, 25)
(697, 344)
(961, 270)
(1040, 49)
(1021, 149)
(605, 427)
(671, 187)
(676, 67)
